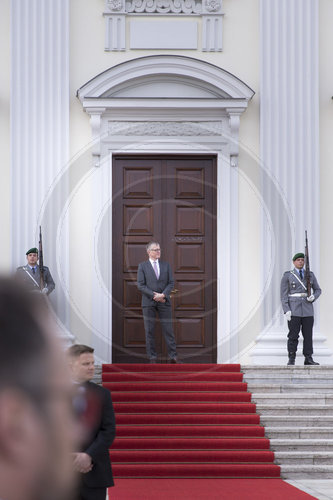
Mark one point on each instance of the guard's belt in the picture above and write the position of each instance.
(298, 295)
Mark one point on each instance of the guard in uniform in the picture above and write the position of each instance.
(298, 308)
(29, 275)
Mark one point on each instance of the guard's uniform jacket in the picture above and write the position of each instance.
(293, 294)
(32, 280)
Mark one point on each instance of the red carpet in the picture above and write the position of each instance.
(205, 489)
(158, 367)
(185, 421)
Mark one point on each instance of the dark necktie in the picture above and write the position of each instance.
(34, 270)
(301, 274)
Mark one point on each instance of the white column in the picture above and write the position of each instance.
(289, 144)
(39, 127)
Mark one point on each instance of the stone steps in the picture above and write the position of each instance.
(294, 410)
(308, 445)
(286, 398)
(299, 432)
(278, 369)
(286, 378)
(274, 388)
(306, 471)
(296, 407)
(298, 421)
(304, 457)
(293, 375)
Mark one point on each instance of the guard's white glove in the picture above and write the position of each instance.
(45, 290)
(287, 315)
(310, 298)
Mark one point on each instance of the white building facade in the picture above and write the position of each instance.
(247, 82)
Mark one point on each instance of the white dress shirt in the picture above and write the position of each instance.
(158, 265)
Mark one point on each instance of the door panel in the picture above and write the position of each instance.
(171, 200)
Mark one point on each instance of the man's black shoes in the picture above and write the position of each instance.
(309, 361)
(175, 360)
(171, 360)
(291, 360)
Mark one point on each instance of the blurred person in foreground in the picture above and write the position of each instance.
(92, 460)
(37, 429)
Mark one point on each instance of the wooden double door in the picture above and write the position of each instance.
(171, 200)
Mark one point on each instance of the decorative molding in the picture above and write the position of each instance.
(164, 6)
(234, 122)
(211, 33)
(220, 83)
(115, 13)
(234, 160)
(170, 128)
(212, 6)
(115, 33)
(115, 5)
(160, 69)
(95, 123)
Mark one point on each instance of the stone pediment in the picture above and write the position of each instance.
(155, 98)
(165, 77)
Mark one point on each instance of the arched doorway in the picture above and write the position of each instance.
(165, 108)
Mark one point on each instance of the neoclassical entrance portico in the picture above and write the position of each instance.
(167, 105)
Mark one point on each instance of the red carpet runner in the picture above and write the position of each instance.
(205, 489)
(186, 421)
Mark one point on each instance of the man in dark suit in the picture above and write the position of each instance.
(94, 404)
(29, 275)
(155, 282)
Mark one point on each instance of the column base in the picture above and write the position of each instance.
(271, 349)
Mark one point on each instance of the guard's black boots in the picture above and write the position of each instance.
(292, 357)
(309, 361)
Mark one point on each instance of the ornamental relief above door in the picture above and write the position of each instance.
(202, 19)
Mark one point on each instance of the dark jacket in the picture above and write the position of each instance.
(148, 283)
(100, 438)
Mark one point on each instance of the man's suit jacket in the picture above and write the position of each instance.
(100, 438)
(23, 273)
(148, 283)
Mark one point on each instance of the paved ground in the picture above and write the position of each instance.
(322, 489)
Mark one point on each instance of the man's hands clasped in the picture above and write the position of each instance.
(159, 297)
